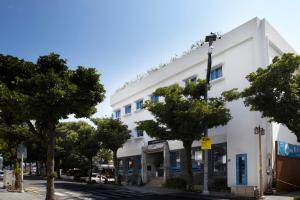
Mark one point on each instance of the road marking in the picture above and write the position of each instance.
(73, 193)
(60, 194)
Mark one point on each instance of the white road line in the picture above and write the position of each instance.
(73, 193)
(60, 194)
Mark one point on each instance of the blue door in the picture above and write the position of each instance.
(241, 169)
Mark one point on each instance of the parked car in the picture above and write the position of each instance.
(1, 174)
(96, 178)
(107, 179)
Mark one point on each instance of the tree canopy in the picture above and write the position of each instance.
(47, 91)
(78, 139)
(113, 134)
(183, 114)
(275, 91)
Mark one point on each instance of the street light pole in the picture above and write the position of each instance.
(260, 131)
(210, 39)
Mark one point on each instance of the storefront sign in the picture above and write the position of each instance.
(289, 150)
(205, 143)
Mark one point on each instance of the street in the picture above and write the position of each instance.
(65, 189)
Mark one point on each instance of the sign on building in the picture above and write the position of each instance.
(288, 150)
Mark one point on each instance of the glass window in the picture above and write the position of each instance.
(139, 133)
(139, 104)
(117, 114)
(175, 159)
(192, 79)
(197, 159)
(130, 163)
(219, 160)
(154, 98)
(216, 73)
(128, 109)
(241, 169)
(121, 163)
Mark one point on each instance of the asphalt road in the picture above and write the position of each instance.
(69, 190)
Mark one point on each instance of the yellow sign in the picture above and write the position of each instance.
(205, 143)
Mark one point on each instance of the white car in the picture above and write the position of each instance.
(96, 178)
(105, 179)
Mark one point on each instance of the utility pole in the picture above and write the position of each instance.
(22, 173)
(260, 131)
(209, 39)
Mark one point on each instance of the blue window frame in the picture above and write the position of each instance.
(128, 109)
(139, 133)
(154, 98)
(139, 104)
(216, 73)
(241, 169)
(117, 114)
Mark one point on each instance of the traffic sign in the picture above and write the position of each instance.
(205, 143)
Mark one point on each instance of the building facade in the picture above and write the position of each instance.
(234, 153)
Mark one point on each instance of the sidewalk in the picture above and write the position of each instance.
(287, 196)
(178, 193)
(5, 195)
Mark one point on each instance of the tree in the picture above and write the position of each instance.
(113, 134)
(46, 92)
(77, 139)
(275, 91)
(183, 114)
(88, 144)
(11, 136)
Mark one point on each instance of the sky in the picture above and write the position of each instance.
(124, 38)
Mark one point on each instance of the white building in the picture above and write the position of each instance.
(235, 151)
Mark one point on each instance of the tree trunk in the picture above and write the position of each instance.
(50, 166)
(17, 175)
(91, 170)
(188, 165)
(115, 159)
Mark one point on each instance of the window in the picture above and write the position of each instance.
(241, 169)
(154, 98)
(219, 160)
(216, 73)
(175, 161)
(139, 104)
(139, 133)
(121, 163)
(197, 160)
(117, 114)
(128, 109)
(192, 79)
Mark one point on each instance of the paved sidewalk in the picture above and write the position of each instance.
(4, 195)
(179, 193)
(288, 196)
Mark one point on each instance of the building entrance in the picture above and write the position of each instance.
(155, 161)
(155, 164)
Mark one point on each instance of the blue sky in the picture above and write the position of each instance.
(123, 38)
